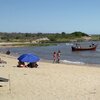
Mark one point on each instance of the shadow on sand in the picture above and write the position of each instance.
(3, 79)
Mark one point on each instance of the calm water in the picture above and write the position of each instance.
(67, 56)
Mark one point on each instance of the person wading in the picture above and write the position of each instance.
(58, 56)
(54, 57)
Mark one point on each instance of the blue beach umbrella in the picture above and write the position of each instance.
(28, 58)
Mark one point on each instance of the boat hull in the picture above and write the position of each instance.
(83, 49)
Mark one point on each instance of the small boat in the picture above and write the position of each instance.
(84, 49)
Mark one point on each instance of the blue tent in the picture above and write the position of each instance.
(28, 58)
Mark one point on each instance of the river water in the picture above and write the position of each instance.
(67, 56)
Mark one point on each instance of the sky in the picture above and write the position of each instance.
(50, 16)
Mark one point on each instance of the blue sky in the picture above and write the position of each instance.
(50, 16)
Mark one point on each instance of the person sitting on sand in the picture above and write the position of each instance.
(32, 65)
(2, 61)
(8, 52)
(21, 64)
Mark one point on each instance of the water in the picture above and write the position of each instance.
(67, 56)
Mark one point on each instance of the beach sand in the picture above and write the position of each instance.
(49, 81)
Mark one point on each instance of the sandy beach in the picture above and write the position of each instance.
(49, 81)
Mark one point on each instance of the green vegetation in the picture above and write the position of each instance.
(44, 38)
(95, 37)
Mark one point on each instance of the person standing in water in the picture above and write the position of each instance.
(54, 57)
(58, 56)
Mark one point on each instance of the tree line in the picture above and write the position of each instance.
(53, 37)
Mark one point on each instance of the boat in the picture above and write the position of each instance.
(84, 49)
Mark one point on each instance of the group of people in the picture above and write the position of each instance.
(56, 56)
(30, 65)
(92, 45)
(79, 46)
